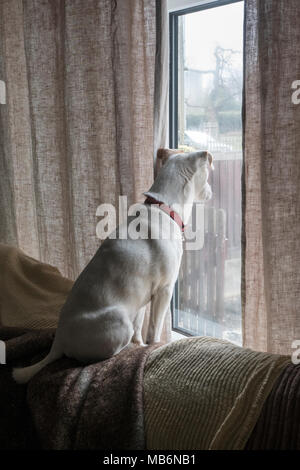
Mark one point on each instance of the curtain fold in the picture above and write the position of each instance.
(161, 89)
(160, 118)
(271, 186)
(78, 127)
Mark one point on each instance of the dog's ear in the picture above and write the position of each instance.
(197, 159)
(164, 154)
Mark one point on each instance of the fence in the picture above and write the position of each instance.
(208, 294)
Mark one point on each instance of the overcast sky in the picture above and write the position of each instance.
(207, 29)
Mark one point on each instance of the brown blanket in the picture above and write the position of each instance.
(67, 406)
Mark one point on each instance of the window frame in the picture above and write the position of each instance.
(173, 105)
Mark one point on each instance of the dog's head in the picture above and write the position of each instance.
(182, 178)
(199, 163)
(194, 167)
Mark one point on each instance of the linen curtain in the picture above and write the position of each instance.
(271, 186)
(78, 126)
(77, 130)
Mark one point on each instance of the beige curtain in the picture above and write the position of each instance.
(78, 127)
(271, 238)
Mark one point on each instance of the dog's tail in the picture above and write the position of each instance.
(24, 374)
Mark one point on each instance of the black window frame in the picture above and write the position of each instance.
(173, 104)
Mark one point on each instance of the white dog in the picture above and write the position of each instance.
(104, 311)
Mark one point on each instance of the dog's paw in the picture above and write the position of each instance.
(138, 342)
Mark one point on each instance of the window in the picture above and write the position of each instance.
(206, 65)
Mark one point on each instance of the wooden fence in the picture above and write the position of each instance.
(201, 298)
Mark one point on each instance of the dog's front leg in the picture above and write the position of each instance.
(138, 325)
(159, 307)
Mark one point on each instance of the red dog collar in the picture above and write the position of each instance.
(176, 217)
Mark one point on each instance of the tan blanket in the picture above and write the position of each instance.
(31, 293)
(205, 393)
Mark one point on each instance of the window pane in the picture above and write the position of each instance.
(210, 68)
